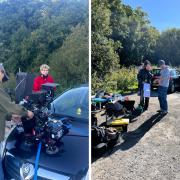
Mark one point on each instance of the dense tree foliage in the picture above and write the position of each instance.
(104, 57)
(120, 35)
(70, 65)
(124, 36)
(31, 31)
(168, 47)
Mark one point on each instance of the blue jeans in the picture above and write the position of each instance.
(162, 96)
(1, 169)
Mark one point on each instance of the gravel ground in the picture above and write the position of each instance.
(150, 149)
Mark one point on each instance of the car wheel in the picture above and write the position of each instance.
(172, 87)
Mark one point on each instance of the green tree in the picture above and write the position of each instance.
(33, 29)
(104, 57)
(168, 47)
(70, 62)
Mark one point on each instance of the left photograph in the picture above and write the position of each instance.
(44, 90)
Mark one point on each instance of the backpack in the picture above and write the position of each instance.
(103, 138)
(114, 109)
(137, 111)
(97, 135)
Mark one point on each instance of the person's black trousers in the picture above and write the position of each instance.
(144, 101)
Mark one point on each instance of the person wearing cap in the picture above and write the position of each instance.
(163, 87)
(9, 111)
(144, 76)
(43, 78)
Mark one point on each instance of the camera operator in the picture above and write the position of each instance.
(9, 111)
(43, 78)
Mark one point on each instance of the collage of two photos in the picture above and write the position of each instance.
(44, 95)
(135, 88)
(89, 90)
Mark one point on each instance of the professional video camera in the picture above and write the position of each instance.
(42, 127)
(45, 96)
(39, 102)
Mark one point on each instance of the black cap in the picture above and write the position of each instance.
(146, 62)
(5, 78)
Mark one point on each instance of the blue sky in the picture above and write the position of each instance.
(163, 14)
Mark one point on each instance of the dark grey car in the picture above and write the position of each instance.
(72, 162)
(174, 79)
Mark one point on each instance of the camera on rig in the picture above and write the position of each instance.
(50, 134)
(42, 127)
(39, 100)
(49, 89)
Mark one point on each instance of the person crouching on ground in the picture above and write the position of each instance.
(163, 87)
(43, 78)
(8, 111)
(144, 76)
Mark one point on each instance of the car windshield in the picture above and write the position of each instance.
(156, 72)
(73, 103)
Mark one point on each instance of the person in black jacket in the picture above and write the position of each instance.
(144, 76)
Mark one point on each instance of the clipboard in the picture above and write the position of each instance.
(146, 90)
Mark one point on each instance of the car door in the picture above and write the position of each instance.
(178, 78)
(173, 79)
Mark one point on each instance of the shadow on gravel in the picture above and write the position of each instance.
(132, 138)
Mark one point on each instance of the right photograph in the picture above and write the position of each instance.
(135, 90)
